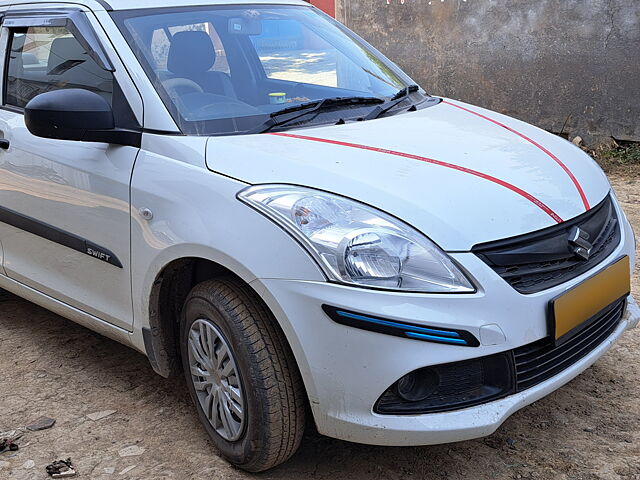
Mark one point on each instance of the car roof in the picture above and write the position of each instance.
(135, 4)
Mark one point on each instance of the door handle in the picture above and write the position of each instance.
(4, 143)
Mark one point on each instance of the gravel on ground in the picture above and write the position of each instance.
(115, 418)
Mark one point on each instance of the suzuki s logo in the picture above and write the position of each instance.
(579, 243)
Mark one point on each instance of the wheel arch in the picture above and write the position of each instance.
(168, 293)
(166, 299)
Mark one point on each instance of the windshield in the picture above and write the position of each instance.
(226, 69)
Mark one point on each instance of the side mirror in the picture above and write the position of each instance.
(76, 114)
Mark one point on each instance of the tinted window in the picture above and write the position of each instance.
(43, 59)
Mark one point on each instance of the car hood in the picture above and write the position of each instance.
(460, 174)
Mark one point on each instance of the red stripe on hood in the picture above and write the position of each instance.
(533, 142)
(502, 183)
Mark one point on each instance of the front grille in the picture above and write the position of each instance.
(542, 360)
(540, 260)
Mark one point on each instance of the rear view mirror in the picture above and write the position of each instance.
(245, 26)
(75, 114)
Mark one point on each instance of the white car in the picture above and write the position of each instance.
(253, 194)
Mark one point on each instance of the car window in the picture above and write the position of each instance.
(224, 69)
(43, 59)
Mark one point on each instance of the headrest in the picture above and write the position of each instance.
(191, 53)
(65, 49)
(69, 62)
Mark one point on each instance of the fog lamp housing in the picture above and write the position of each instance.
(418, 385)
(450, 386)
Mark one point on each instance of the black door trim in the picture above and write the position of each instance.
(56, 235)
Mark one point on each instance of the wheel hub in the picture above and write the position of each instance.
(216, 379)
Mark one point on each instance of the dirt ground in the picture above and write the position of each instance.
(589, 429)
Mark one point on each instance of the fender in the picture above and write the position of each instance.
(197, 219)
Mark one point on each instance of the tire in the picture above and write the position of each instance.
(267, 389)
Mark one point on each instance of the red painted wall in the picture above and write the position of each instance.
(328, 6)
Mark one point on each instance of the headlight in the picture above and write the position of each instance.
(357, 244)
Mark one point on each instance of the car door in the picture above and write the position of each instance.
(64, 206)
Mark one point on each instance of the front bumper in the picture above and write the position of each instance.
(346, 370)
(457, 425)
(462, 424)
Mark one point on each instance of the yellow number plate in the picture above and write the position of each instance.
(572, 309)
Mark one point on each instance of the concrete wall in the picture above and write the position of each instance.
(570, 66)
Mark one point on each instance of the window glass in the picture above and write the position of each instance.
(43, 59)
(303, 48)
(290, 51)
(224, 69)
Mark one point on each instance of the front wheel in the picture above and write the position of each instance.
(241, 375)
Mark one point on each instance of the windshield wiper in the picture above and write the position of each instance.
(302, 109)
(397, 99)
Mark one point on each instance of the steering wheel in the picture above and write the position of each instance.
(173, 84)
